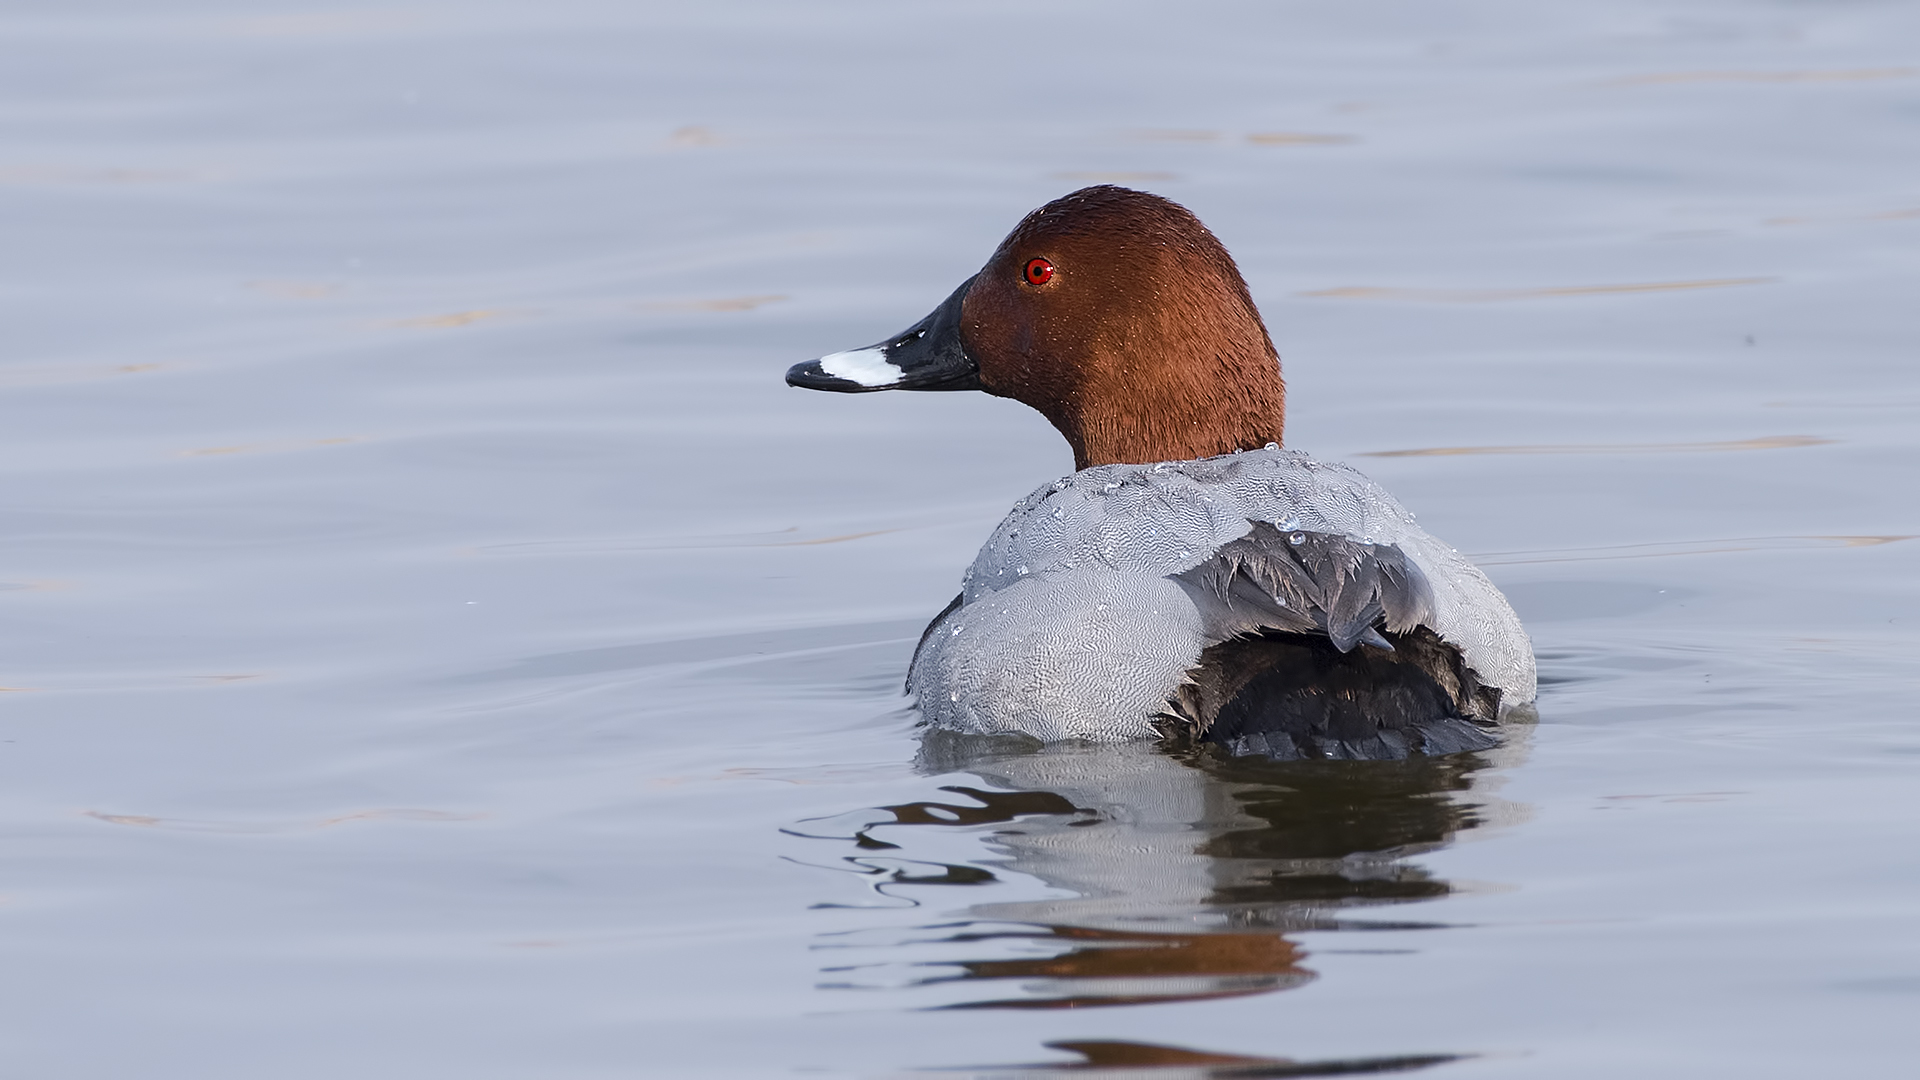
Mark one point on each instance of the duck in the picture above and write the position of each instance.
(1194, 579)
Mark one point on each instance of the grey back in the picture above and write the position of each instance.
(1072, 623)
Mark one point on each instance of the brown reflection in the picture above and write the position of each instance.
(1117, 967)
(1185, 870)
(1768, 442)
(722, 303)
(449, 320)
(1684, 547)
(1296, 138)
(1131, 1059)
(59, 175)
(791, 536)
(1832, 75)
(1483, 296)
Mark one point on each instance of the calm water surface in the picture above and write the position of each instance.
(440, 645)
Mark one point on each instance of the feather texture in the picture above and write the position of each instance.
(1095, 604)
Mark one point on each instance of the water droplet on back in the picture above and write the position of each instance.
(1297, 539)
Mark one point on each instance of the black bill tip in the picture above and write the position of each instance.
(859, 372)
(929, 355)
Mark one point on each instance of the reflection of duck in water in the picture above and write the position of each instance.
(1246, 594)
(1186, 868)
(1115, 1060)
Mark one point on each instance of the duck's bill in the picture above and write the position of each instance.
(927, 356)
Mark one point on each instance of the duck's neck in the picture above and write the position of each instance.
(1136, 425)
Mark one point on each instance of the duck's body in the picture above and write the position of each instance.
(1089, 611)
(1192, 578)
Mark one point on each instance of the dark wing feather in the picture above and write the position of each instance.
(1286, 610)
(1301, 582)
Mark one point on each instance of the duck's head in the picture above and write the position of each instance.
(1113, 312)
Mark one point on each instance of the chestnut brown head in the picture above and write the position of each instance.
(1117, 315)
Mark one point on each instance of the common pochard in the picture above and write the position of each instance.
(1192, 578)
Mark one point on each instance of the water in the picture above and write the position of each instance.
(443, 647)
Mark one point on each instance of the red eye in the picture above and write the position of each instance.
(1039, 271)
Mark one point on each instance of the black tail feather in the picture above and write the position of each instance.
(1299, 696)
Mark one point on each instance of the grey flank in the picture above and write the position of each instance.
(1072, 625)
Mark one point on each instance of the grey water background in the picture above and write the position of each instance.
(438, 644)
